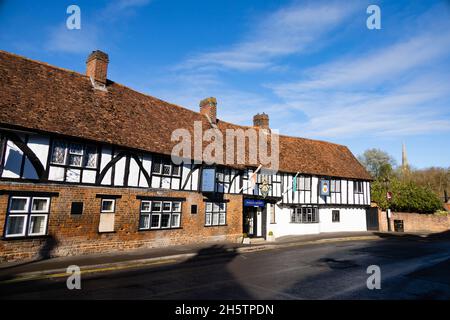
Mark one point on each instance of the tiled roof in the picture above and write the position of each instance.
(38, 96)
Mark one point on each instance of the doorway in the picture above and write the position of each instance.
(253, 222)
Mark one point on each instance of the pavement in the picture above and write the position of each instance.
(94, 263)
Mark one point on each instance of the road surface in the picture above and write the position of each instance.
(412, 268)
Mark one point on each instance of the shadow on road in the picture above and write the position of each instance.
(203, 276)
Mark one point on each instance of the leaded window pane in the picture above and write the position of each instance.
(166, 170)
(75, 160)
(156, 167)
(59, 152)
(90, 157)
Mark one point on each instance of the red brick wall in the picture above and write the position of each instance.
(79, 234)
(415, 222)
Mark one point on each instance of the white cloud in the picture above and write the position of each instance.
(384, 65)
(73, 41)
(290, 30)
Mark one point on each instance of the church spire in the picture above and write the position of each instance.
(405, 165)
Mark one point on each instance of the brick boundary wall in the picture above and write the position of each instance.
(415, 222)
(74, 235)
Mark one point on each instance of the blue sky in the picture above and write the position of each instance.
(313, 66)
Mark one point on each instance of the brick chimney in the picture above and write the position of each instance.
(261, 121)
(97, 66)
(208, 107)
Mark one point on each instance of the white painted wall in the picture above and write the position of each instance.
(351, 219)
(284, 227)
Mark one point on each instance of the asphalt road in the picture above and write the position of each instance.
(414, 268)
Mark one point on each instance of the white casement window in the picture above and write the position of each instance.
(27, 216)
(160, 215)
(335, 186)
(215, 213)
(108, 205)
(176, 214)
(358, 187)
(74, 154)
(165, 168)
(303, 183)
(305, 215)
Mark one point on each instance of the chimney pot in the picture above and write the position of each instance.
(261, 121)
(208, 107)
(97, 66)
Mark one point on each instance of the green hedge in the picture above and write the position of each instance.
(406, 197)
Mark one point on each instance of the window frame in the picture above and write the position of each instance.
(333, 216)
(29, 224)
(163, 163)
(299, 184)
(360, 188)
(218, 210)
(304, 215)
(27, 214)
(67, 153)
(40, 211)
(113, 210)
(153, 212)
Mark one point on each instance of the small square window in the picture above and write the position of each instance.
(108, 205)
(194, 209)
(77, 208)
(335, 216)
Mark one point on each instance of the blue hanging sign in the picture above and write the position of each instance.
(208, 179)
(254, 203)
(324, 187)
